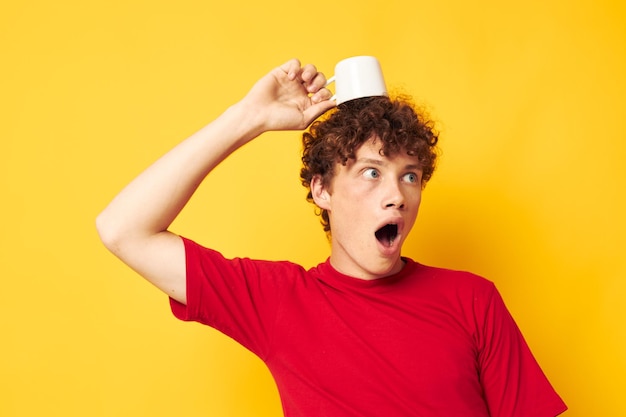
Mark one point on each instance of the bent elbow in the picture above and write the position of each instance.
(108, 233)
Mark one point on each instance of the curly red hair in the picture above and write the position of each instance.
(394, 121)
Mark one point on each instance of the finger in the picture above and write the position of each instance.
(312, 79)
(321, 95)
(316, 110)
(291, 68)
(308, 73)
(318, 82)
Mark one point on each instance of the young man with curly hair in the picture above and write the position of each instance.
(368, 332)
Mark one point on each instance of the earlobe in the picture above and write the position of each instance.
(320, 194)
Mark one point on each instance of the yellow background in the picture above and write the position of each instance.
(531, 103)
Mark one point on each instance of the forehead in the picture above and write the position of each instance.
(371, 152)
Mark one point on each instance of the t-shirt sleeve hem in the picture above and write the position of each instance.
(553, 410)
(179, 310)
(186, 311)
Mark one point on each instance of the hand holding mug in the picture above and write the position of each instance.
(290, 97)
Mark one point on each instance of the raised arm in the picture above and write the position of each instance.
(134, 226)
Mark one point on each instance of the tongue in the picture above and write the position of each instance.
(387, 234)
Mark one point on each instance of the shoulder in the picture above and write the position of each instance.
(462, 291)
(449, 278)
(200, 258)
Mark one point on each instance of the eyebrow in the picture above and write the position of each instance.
(380, 162)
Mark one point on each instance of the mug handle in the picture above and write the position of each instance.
(328, 82)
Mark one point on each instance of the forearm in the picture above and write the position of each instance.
(150, 203)
(134, 226)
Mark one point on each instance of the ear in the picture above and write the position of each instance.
(320, 193)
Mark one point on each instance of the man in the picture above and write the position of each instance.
(368, 332)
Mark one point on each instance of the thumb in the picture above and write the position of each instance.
(316, 110)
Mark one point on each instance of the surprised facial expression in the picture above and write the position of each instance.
(372, 204)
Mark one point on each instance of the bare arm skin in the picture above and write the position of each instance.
(134, 226)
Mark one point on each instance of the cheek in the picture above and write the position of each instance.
(414, 205)
(354, 196)
(416, 197)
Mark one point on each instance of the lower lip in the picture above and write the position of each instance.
(389, 250)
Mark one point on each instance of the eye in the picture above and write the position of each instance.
(371, 173)
(411, 177)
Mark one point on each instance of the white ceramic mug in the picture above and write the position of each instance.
(356, 77)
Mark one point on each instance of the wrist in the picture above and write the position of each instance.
(247, 120)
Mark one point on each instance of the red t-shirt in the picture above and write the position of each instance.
(425, 342)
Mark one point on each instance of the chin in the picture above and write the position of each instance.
(385, 269)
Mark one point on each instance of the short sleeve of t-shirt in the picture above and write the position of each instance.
(514, 385)
(238, 297)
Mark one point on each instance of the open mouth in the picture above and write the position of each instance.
(387, 234)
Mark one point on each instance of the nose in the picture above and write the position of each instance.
(393, 196)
